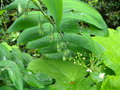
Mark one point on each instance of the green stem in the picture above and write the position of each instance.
(39, 7)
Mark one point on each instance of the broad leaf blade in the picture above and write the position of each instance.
(4, 52)
(112, 54)
(79, 11)
(111, 83)
(55, 7)
(82, 41)
(31, 19)
(32, 80)
(23, 4)
(34, 33)
(14, 73)
(68, 75)
(6, 88)
(17, 57)
(43, 42)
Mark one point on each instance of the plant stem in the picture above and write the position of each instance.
(38, 5)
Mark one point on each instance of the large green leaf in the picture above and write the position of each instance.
(68, 75)
(6, 88)
(75, 42)
(22, 3)
(55, 7)
(17, 57)
(81, 41)
(32, 80)
(14, 73)
(31, 19)
(43, 42)
(76, 11)
(111, 83)
(34, 33)
(112, 54)
(4, 52)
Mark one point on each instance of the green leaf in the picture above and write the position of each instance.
(49, 50)
(112, 54)
(74, 26)
(56, 56)
(17, 57)
(111, 83)
(14, 73)
(78, 11)
(118, 28)
(2, 11)
(4, 52)
(46, 88)
(43, 42)
(31, 19)
(34, 33)
(58, 47)
(23, 4)
(81, 41)
(6, 88)
(32, 80)
(27, 58)
(55, 7)
(68, 75)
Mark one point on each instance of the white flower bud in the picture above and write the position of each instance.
(88, 70)
(101, 75)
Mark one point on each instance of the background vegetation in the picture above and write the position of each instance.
(59, 45)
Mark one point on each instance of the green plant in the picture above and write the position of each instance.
(109, 9)
(67, 30)
(100, 75)
(111, 58)
(13, 71)
(61, 33)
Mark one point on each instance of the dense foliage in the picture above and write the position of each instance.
(76, 49)
(109, 9)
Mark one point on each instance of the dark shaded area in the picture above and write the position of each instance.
(109, 9)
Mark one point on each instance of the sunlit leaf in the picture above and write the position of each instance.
(1, 12)
(68, 75)
(112, 54)
(111, 83)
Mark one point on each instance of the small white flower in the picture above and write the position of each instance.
(88, 70)
(84, 58)
(81, 54)
(4, 58)
(101, 75)
(19, 8)
(74, 62)
(30, 72)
